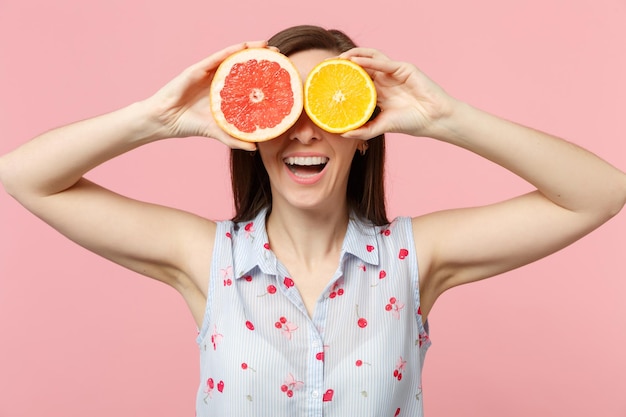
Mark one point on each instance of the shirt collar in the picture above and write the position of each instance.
(252, 248)
(362, 240)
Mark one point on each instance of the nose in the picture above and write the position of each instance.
(304, 130)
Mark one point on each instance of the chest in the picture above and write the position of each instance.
(360, 350)
(310, 283)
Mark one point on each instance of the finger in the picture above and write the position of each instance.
(235, 143)
(212, 62)
(231, 141)
(367, 131)
(374, 64)
(363, 52)
(256, 44)
(246, 146)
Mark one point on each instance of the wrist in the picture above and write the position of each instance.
(449, 125)
(146, 122)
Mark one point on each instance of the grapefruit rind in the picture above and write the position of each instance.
(245, 85)
(326, 95)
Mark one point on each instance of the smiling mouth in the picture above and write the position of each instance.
(306, 166)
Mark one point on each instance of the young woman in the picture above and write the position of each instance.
(307, 285)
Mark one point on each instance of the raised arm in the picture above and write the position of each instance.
(46, 176)
(576, 190)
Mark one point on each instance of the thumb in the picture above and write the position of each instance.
(367, 131)
(235, 143)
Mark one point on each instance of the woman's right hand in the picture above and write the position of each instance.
(410, 102)
(182, 107)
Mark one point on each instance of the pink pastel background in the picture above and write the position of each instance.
(82, 337)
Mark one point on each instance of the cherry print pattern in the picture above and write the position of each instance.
(291, 384)
(321, 355)
(419, 393)
(423, 339)
(271, 289)
(216, 337)
(210, 387)
(381, 275)
(227, 274)
(388, 230)
(400, 366)
(336, 290)
(328, 395)
(395, 307)
(374, 312)
(361, 322)
(249, 229)
(245, 366)
(286, 327)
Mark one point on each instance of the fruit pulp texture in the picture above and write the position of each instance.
(256, 95)
(339, 100)
(339, 96)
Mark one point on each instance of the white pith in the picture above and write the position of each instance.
(256, 95)
(339, 96)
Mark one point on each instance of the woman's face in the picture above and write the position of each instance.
(307, 166)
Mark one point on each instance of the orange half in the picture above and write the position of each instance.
(339, 95)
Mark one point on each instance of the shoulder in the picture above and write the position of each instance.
(196, 247)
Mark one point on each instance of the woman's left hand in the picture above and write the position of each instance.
(410, 102)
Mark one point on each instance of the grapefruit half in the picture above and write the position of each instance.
(256, 94)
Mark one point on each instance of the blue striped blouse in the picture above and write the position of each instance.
(361, 353)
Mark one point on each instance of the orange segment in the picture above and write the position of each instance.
(339, 95)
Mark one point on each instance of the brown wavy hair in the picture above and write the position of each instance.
(366, 191)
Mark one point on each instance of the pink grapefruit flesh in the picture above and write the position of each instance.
(256, 94)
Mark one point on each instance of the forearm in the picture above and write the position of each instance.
(565, 173)
(57, 159)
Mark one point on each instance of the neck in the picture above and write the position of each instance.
(307, 236)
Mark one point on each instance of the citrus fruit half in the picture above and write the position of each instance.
(339, 95)
(256, 94)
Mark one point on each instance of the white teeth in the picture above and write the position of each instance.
(306, 160)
